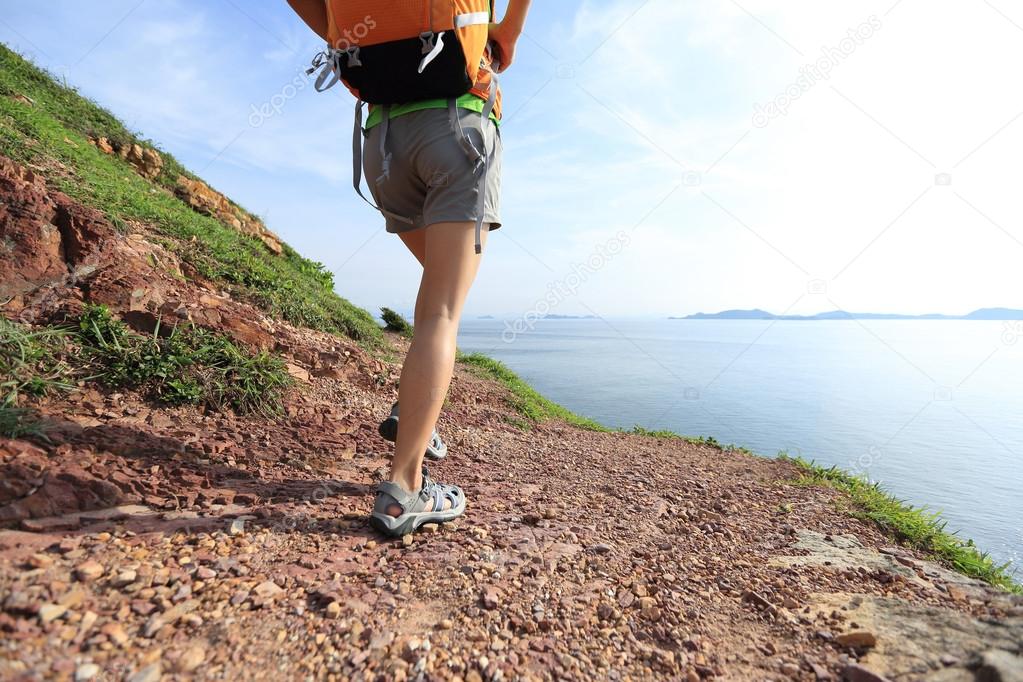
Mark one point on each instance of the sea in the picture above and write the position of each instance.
(930, 409)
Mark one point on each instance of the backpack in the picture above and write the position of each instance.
(399, 51)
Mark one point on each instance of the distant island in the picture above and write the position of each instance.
(757, 314)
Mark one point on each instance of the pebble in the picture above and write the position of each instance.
(857, 673)
(858, 639)
(86, 671)
(124, 578)
(191, 659)
(333, 609)
(51, 612)
(150, 673)
(88, 571)
(268, 589)
(39, 561)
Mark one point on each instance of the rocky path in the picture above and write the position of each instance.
(220, 548)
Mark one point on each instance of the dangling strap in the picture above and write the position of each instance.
(479, 157)
(328, 63)
(357, 162)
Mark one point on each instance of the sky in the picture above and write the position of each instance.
(662, 157)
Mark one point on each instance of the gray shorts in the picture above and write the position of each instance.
(431, 175)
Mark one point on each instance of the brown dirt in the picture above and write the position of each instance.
(143, 543)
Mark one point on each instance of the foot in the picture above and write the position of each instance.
(396, 510)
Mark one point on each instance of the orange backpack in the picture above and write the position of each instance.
(390, 52)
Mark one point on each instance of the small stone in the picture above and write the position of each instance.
(430, 527)
(51, 612)
(237, 527)
(205, 573)
(268, 589)
(601, 548)
(86, 671)
(857, 673)
(88, 571)
(491, 598)
(406, 540)
(858, 639)
(446, 624)
(39, 561)
(334, 609)
(126, 577)
(151, 673)
(790, 669)
(115, 633)
(191, 659)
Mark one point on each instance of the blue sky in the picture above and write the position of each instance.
(646, 172)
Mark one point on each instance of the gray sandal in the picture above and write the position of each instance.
(414, 506)
(388, 429)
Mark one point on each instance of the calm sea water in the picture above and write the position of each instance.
(932, 409)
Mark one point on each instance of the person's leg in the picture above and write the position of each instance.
(449, 268)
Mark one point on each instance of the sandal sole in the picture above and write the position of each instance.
(410, 525)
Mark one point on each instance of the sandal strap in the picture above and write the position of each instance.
(403, 498)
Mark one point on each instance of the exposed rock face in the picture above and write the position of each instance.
(146, 161)
(204, 199)
(56, 254)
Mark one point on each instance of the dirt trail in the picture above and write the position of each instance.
(143, 543)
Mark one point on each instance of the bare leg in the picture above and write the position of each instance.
(449, 268)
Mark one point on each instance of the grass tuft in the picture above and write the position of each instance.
(913, 526)
(31, 366)
(188, 366)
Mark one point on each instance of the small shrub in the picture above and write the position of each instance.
(395, 322)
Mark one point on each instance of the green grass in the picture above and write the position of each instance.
(31, 366)
(54, 133)
(184, 365)
(525, 400)
(31, 363)
(913, 526)
(187, 366)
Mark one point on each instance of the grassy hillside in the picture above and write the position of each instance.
(52, 127)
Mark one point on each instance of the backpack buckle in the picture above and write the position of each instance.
(429, 40)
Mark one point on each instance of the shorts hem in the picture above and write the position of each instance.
(396, 227)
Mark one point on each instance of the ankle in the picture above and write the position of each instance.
(411, 482)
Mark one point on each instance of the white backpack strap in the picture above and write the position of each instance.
(480, 157)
